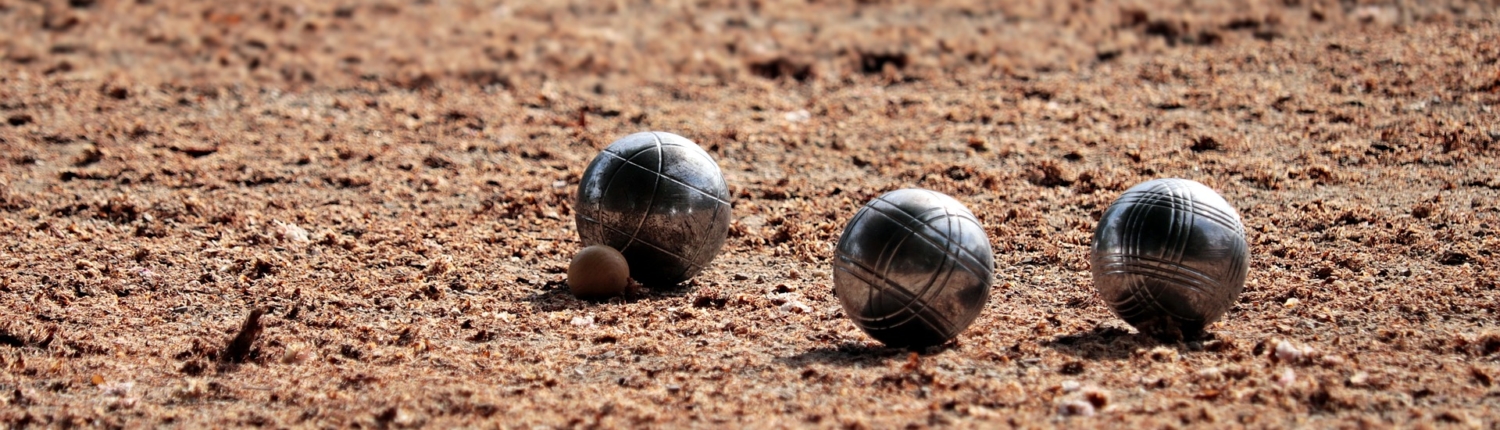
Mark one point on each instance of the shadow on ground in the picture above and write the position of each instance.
(857, 353)
(1113, 343)
(1102, 342)
(554, 296)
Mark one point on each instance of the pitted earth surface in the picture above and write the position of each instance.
(390, 184)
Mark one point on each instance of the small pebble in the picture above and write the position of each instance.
(290, 232)
(799, 115)
(1359, 379)
(1078, 408)
(1287, 378)
(1096, 396)
(1163, 354)
(583, 321)
(121, 389)
(1210, 374)
(796, 307)
(298, 354)
(1285, 351)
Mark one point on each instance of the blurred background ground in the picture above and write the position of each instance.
(391, 182)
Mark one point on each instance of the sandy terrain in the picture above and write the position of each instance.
(391, 182)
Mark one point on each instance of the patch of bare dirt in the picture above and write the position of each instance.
(390, 184)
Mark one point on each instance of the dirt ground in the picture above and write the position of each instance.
(391, 182)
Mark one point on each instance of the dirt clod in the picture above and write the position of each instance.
(239, 347)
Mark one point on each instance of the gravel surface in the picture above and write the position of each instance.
(358, 214)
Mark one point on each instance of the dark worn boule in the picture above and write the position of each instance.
(913, 268)
(1170, 257)
(660, 200)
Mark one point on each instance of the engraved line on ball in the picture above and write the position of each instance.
(1191, 278)
(919, 303)
(1127, 308)
(951, 262)
(1152, 198)
(655, 188)
(1141, 293)
(921, 293)
(1176, 231)
(923, 220)
(917, 220)
(904, 294)
(1183, 218)
(1206, 210)
(972, 263)
(864, 274)
(703, 251)
(868, 276)
(665, 142)
(667, 177)
(1144, 295)
(1131, 244)
(883, 260)
(640, 241)
(692, 147)
(1165, 195)
(1237, 268)
(597, 203)
(920, 220)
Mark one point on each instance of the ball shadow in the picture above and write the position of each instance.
(1114, 343)
(1102, 342)
(554, 296)
(856, 353)
(656, 292)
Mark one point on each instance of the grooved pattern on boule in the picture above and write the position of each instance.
(913, 268)
(660, 200)
(1170, 255)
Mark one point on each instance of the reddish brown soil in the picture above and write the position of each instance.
(391, 183)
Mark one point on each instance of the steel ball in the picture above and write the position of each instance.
(1170, 257)
(913, 268)
(660, 200)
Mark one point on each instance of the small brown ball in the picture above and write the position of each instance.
(598, 271)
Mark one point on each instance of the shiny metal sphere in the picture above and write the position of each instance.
(913, 268)
(1170, 257)
(660, 200)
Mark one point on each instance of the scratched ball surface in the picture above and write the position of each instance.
(660, 200)
(1170, 256)
(913, 268)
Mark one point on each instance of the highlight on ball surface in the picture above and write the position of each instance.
(1169, 257)
(913, 268)
(660, 200)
